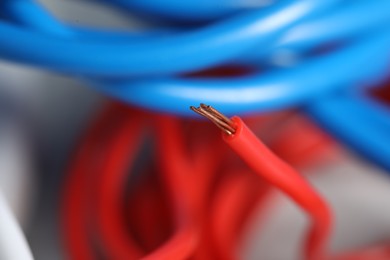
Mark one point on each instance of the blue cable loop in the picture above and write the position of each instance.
(271, 90)
(145, 68)
(198, 49)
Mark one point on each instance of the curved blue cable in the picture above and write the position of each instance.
(357, 123)
(176, 93)
(339, 23)
(271, 90)
(198, 49)
(336, 25)
(33, 15)
(151, 61)
(274, 90)
(195, 10)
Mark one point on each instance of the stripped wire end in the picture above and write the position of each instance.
(220, 120)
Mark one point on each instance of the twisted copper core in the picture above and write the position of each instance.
(219, 119)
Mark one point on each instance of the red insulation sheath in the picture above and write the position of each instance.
(183, 242)
(114, 175)
(75, 202)
(267, 165)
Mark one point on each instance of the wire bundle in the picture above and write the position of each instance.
(187, 174)
(338, 49)
(195, 202)
(337, 45)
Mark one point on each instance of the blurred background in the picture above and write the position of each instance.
(44, 115)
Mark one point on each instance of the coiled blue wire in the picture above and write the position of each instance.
(198, 49)
(145, 68)
(268, 91)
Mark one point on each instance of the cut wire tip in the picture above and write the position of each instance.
(219, 119)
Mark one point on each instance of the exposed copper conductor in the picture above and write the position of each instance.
(220, 120)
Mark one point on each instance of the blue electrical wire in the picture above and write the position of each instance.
(199, 10)
(31, 14)
(347, 21)
(271, 90)
(206, 47)
(337, 25)
(240, 95)
(358, 123)
(145, 68)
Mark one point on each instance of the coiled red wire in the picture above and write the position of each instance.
(190, 198)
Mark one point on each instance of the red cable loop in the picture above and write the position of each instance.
(267, 165)
(211, 198)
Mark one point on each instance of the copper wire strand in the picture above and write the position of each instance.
(219, 119)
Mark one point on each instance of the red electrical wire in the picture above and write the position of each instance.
(211, 196)
(183, 242)
(108, 218)
(148, 211)
(75, 203)
(232, 205)
(284, 177)
(266, 164)
(176, 167)
(195, 172)
(111, 189)
(110, 223)
(77, 200)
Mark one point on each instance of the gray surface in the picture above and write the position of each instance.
(58, 108)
